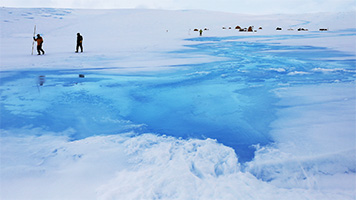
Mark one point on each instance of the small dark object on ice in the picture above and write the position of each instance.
(81, 76)
(41, 80)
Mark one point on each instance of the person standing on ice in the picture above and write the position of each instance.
(201, 32)
(39, 41)
(79, 43)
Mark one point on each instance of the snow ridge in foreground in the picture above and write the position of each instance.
(146, 167)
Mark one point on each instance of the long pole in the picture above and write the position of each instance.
(33, 41)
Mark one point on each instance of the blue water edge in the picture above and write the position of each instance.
(231, 100)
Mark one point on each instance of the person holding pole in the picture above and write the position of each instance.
(39, 41)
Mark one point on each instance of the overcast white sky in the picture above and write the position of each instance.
(236, 6)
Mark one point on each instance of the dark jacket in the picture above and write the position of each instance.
(79, 39)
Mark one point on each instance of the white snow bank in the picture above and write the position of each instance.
(321, 115)
(131, 167)
(315, 141)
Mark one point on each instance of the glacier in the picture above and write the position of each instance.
(262, 120)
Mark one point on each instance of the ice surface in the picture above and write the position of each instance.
(164, 114)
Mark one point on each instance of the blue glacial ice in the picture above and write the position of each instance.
(231, 100)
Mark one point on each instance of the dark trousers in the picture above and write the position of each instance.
(81, 47)
(39, 49)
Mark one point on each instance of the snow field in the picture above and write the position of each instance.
(165, 114)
